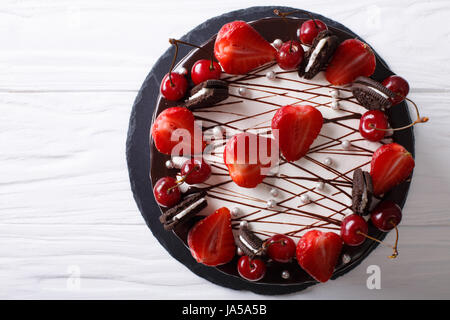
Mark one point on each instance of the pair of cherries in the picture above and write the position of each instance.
(174, 85)
(374, 123)
(290, 54)
(385, 217)
(166, 190)
(279, 247)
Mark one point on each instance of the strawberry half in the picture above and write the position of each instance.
(352, 59)
(165, 125)
(318, 253)
(211, 240)
(298, 127)
(244, 160)
(391, 164)
(239, 48)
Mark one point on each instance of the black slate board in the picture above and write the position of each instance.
(138, 153)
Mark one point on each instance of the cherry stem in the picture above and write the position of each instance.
(394, 248)
(176, 41)
(419, 120)
(285, 14)
(183, 178)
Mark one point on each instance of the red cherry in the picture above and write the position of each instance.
(371, 120)
(195, 171)
(290, 55)
(176, 89)
(280, 248)
(386, 215)
(166, 192)
(251, 269)
(399, 86)
(351, 228)
(202, 70)
(310, 29)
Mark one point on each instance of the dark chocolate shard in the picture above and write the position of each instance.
(371, 94)
(362, 192)
(183, 211)
(206, 94)
(319, 54)
(248, 242)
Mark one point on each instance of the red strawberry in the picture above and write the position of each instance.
(240, 48)
(352, 59)
(391, 164)
(318, 253)
(244, 161)
(165, 125)
(298, 127)
(211, 240)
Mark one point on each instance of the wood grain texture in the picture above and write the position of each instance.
(69, 73)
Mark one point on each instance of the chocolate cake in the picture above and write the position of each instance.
(313, 193)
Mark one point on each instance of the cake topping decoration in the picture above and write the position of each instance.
(351, 59)
(206, 94)
(328, 161)
(183, 211)
(248, 242)
(271, 75)
(239, 48)
(362, 192)
(371, 94)
(297, 127)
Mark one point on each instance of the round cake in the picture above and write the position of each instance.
(293, 164)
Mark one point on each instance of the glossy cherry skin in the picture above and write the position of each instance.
(163, 196)
(280, 248)
(308, 31)
(195, 171)
(350, 227)
(202, 71)
(399, 86)
(290, 55)
(386, 215)
(177, 89)
(369, 121)
(251, 269)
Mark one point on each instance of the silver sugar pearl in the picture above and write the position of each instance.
(271, 203)
(277, 43)
(334, 104)
(327, 161)
(305, 198)
(320, 185)
(169, 164)
(346, 144)
(274, 192)
(334, 93)
(271, 75)
(285, 274)
(346, 258)
(243, 224)
(235, 211)
(242, 91)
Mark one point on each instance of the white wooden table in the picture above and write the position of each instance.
(69, 72)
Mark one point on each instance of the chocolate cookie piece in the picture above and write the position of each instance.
(247, 241)
(362, 192)
(319, 54)
(190, 206)
(371, 94)
(206, 94)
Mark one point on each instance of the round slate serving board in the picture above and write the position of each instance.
(147, 105)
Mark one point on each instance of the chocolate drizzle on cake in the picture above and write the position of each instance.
(336, 199)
